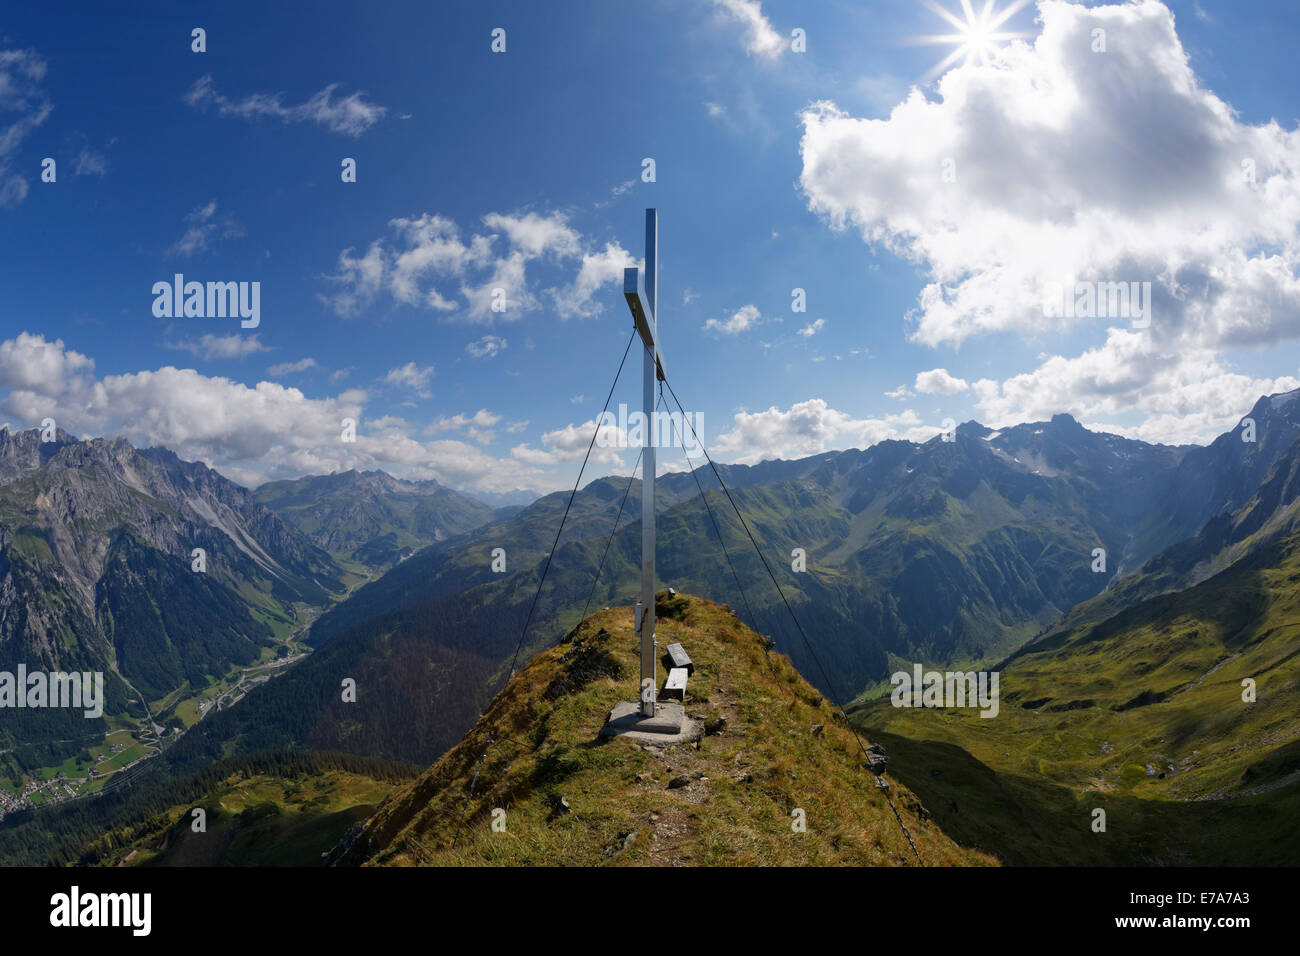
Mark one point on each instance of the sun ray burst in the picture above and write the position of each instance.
(978, 36)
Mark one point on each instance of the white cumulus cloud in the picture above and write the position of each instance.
(760, 38)
(937, 381)
(411, 376)
(1057, 164)
(478, 427)
(429, 263)
(810, 427)
(742, 320)
(249, 433)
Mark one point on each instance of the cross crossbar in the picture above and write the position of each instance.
(634, 292)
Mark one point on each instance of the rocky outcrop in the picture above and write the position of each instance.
(95, 534)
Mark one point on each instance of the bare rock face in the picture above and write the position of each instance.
(97, 563)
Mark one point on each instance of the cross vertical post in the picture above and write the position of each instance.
(650, 366)
(641, 292)
(646, 718)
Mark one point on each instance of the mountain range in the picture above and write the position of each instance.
(941, 553)
(1171, 701)
(1044, 549)
(168, 578)
(371, 517)
(99, 542)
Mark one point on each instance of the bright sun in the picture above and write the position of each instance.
(977, 36)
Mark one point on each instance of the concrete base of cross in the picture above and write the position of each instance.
(669, 725)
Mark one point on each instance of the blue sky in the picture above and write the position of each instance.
(522, 170)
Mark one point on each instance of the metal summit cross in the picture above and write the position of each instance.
(648, 718)
(642, 295)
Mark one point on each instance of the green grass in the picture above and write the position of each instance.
(119, 760)
(132, 750)
(1142, 713)
(166, 703)
(188, 712)
(744, 781)
(72, 767)
(257, 820)
(33, 546)
(1023, 818)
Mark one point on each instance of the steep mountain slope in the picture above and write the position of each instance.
(961, 550)
(273, 808)
(252, 819)
(1270, 513)
(425, 669)
(97, 574)
(946, 552)
(371, 517)
(1223, 475)
(1123, 479)
(1145, 713)
(422, 675)
(466, 562)
(942, 551)
(774, 747)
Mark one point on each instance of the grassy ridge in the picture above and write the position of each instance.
(775, 746)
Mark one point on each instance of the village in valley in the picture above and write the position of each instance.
(125, 748)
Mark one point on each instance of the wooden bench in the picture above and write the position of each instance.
(675, 685)
(676, 656)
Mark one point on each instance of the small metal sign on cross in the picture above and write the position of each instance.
(641, 292)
